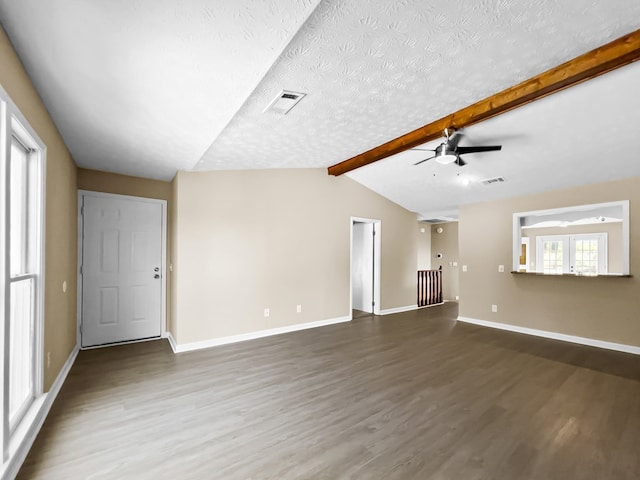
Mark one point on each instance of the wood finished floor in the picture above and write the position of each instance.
(406, 396)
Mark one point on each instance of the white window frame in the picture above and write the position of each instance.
(568, 250)
(14, 124)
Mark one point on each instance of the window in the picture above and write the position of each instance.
(580, 254)
(22, 157)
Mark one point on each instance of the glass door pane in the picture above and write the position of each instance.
(552, 259)
(586, 257)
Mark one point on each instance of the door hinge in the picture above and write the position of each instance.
(80, 269)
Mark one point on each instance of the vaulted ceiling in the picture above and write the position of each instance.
(149, 87)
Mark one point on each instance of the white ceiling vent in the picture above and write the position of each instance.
(439, 220)
(284, 102)
(491, 181)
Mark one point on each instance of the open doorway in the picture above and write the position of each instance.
(365, 267)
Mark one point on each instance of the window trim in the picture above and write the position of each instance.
(14, 124)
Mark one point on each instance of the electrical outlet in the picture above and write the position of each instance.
(298, 308)
(464, 268)
(501, 268)
(266, 312)
(494, 308)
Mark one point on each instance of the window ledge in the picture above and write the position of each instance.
(600, 275)
(32, 419)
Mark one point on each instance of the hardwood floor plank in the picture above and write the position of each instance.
(406, 396)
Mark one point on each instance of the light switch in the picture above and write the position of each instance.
(464, 268)
(501, 268)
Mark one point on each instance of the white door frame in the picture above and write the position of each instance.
(163, 263)
(376, 262)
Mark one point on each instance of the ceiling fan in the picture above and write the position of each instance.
(449, 151)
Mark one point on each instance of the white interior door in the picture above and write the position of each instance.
(365, 264)
(362, 269)
(122, 248)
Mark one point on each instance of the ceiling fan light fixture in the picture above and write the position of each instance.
(446, 157)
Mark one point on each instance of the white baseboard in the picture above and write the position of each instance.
(620, 347)
(215, 342)
(19, 451)
(406, 308)
(172, 341)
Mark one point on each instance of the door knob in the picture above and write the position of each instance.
(157, 269)
(156, 276)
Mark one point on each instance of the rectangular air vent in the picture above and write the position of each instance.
(439, 220)
(284, 102)
(490, 181)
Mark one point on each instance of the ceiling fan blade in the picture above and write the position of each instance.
(460, 162)
(423, 149)
(422, 161)
(488, 148)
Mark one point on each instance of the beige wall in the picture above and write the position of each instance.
(592, 307)
(106, 182)
(446, 243)
(614, 241)
(61, 215)
(423, 239)
(248, 240)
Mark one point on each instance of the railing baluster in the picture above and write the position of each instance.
(429, 287)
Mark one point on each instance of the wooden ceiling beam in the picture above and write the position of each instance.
(606, 58)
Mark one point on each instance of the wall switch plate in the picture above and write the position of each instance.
(494, 308)
(422, 230)
(464, 268)
(455, 264)
(501, 268)
(266, 312)
(298, 308)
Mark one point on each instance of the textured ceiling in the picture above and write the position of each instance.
(585, 134)
(148, 87)
(374, 70)
(143, 87)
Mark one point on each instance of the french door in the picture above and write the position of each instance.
(579, 254)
